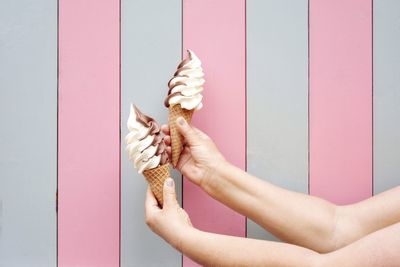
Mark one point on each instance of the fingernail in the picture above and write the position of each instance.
(170, 182)
(181, 121)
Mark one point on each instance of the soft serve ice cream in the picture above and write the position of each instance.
(184, 97)
(186, 85)
(145, 145)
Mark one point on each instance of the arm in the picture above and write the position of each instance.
(172, 224)
(210, 249)
(377, 249)
(298, 218)
(293, 217)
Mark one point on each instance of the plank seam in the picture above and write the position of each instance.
(57, 145)
(181, 59)
(372, 97)
(308, 95)
(120, 132)
(245, 100)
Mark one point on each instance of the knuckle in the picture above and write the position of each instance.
(149, 220)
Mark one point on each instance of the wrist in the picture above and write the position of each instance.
(215, 176)
(187, 238)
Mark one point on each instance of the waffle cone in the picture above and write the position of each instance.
(156, 178)
(176, 111)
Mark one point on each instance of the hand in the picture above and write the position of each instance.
(171, 222)
(200, 157)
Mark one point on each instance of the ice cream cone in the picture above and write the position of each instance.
(176, 111)
(156, 178)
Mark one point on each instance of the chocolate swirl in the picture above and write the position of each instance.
(186, 84)
(152, 129)
(144, 142)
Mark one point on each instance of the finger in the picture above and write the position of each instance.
(187, 131)
(183, 159)
(169, 194)
(169, 151)
(150, 203)
(167, 140)
(165, 129)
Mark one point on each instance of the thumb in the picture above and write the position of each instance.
(187, 131)
(169, 194)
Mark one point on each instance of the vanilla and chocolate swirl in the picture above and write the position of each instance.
(145, 145)
(187, 84)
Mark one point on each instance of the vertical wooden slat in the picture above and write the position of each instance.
(88, 181)
(277, 95)
(215, 31)
(341, 99)
(386, 94)
(151, 50)
(28, 135)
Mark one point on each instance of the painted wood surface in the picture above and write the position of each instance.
(28, 134)
(89, 145)
(341, 99)
(277, 95)
(219, 40)
(345, 125)
(386, 94)
(151, 50)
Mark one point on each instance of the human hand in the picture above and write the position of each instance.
(200, 157)
(171, 222)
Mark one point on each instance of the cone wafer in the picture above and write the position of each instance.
(156, 178)
(176, 111)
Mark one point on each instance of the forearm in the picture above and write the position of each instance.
(380, 248)
(377, 249)
(219, 250)
(293, 217)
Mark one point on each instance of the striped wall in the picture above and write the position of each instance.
(302, 93)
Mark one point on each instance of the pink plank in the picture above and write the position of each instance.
(88, 174)
(341, 99)
(215, 31)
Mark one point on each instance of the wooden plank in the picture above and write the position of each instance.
(386, 94)
(341, 99)
(151, 50)
(215, 31)
(28, 135)
(277, 95)
(89, 165)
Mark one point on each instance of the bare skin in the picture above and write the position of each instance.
(362, 234)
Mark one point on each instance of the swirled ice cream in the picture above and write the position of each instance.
(187, 84)
(145, 145)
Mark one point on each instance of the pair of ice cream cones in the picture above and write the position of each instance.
(157, 176)
(183, 99)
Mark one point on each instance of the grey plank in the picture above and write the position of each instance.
(277, 95)
(151, 50)
(28, 135)
(386, 75)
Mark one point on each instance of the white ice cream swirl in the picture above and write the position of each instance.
(145, 144)
(187, 84)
